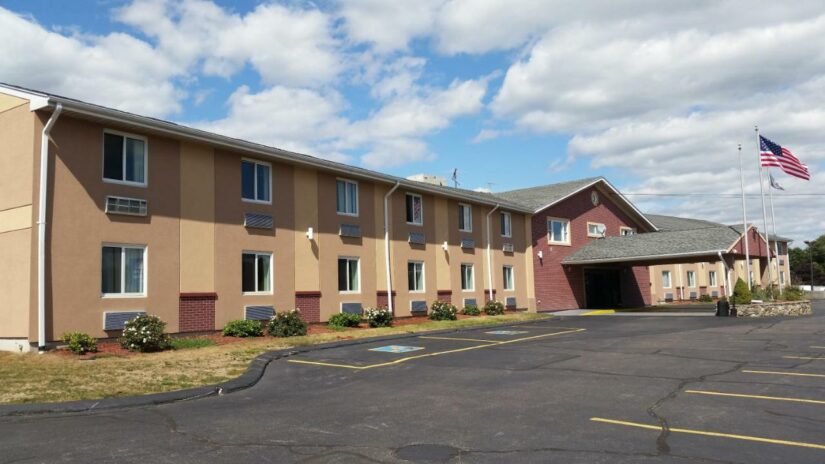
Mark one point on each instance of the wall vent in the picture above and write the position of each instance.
(507, 248)
(352, 308)
(417, 238)
(511, 302)
(468, 243)
(258, 313)
(126, 206)
(418, 307)
(258, 221)
(469, 302)
(115, 320)
(350, 230)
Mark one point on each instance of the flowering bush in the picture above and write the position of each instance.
(145, 334)
(288, 324)
(79, 342)
(442, 311)
(494, 308)
(342, 320)
(243, 328)
(379, 317)
(471, 310)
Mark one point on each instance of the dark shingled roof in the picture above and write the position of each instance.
(671, 223)
(656, 245)
(539, 197)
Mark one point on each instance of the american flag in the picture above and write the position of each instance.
(773, 155)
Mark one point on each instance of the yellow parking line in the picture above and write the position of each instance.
(599, 312)
(772, 441)
(798, 374)
(756, 397)
(437, 353)
(817, 358)
(460, 339)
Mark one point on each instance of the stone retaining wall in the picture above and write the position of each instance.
(788, 308)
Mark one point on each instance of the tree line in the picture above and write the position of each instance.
(800, 258)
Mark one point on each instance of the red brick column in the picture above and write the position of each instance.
(381, 299)
(196, 312)
(445, 296)
(487, 295)
(309, 303)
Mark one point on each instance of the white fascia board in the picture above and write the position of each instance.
(645, 258)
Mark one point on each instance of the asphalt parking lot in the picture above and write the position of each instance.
(574, 389)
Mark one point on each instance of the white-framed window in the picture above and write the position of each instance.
(467, 278)
(349, 275)
(558, 231)
(415, 209)
(666, 281)
(506, 225)
(782, 277)
(691, 278)
(346, 193)
(124, 158)
(507, 277)
(465, 217)
(595, 229)
(256, 181)
(123, 270)
(711, 278)
(623, 231)
(256, 272)
(415, 276)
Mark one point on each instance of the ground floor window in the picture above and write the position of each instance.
(782, 277)
(712, 278)
(256, 272)
(467, 278)
(122, 270)
(415, 276)
(349, 278)
(666, 283)
(691, 278)
(507, 274)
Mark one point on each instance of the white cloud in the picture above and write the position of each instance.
(285, 45)
(388, 25)
(89, 67)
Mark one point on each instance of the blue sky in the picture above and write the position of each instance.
(653, 95)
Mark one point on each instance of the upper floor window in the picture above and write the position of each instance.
(347, 197)
(415, 209)
(595, 229)
(124, 158)
(122, 270)
(666, 282)
(627, 230)
(506, 225)
(558, 231)
(465, 217)
(691, 278)
(256, 181)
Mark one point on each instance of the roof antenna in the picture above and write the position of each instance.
(455, 178)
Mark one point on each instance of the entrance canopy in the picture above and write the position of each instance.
(704, 244)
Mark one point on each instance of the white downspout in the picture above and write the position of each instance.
(728, 290)
(387, 245)
(41, 229)
(489, 255)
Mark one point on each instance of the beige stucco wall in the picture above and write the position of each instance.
(307, 273)
(197, 218)
(680, 287)
(17, 151)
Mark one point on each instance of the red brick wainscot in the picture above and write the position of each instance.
(196, 312)
(445, 296)
(309, 303)
(382, 301)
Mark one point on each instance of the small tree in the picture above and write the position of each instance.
(741, 293)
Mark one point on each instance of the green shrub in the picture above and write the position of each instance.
(442, 311)
(792, 293)
(145, 334)
(342, 320)
(79, 342)
(191, 342)
(494, 308)
(741, 293)
(772, 293)
(288, 324)
(243, 328)
(471, 310)
(379, 317)
(756, 293)
(705, 299)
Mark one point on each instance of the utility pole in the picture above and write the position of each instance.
(810, 244)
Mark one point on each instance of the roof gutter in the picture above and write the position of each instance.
(387, 261)
(489, 254)
(41, 228)
(176, 130)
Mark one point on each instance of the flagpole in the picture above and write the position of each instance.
(773, 226)
(764, 208)
(744, 216)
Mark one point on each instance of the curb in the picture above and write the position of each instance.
(246, 380)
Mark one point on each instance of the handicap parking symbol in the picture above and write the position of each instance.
(397, 348)
(506, 332)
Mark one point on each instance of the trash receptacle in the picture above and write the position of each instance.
(722, 308)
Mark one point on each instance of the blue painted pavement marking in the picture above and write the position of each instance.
(397, 348)
(506, 332)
